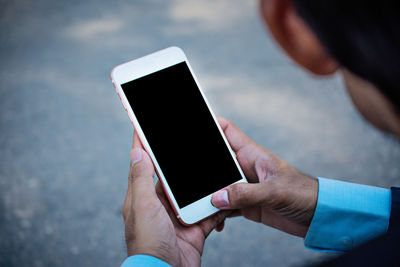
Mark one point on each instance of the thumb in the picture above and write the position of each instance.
(140, 182)
(141, 165)
(141, 173)
(240, 195)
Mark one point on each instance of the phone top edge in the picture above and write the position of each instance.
(169, 50)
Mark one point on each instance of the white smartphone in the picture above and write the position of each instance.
(177, 128)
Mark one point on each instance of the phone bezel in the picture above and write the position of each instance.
(143, 66)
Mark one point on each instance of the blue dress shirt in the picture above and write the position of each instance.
(346, 215)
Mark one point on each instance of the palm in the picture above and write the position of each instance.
(189, 240)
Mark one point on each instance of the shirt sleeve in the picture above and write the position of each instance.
(144, 261)
(347, 215)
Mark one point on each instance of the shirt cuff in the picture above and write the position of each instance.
(144, 260)
(347, 215)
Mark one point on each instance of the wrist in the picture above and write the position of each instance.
(302, 201)
(312, 199)
(161, 251)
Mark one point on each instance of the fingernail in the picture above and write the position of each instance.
(220, 199)
(135, 155)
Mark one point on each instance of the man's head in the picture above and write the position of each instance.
(359, 38)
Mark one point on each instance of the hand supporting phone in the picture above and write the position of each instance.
(176, 126)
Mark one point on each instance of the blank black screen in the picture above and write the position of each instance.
(181, 133)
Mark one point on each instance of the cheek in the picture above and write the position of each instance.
(370, 103)
(363, 105)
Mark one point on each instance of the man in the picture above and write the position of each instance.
(358, 38)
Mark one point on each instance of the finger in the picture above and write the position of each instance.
(141, 168)
(163, 198)
(241, 195)
(209, 224)
(128, 197)
(164, 201)
(159, 188)
(141, 178)
(141, 164)
(126, 207)
(236, 138)
(220, 226)
(136, 141)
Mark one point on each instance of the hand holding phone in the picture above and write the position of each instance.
(151, 227)
(177, 128)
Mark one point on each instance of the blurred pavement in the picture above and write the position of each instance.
(65, 138)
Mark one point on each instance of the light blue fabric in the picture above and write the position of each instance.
(144, 261)
(347, 215)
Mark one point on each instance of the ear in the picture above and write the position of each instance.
(296, 37)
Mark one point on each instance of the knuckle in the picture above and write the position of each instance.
(238, 195)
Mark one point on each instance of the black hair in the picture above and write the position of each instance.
(362, 36)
